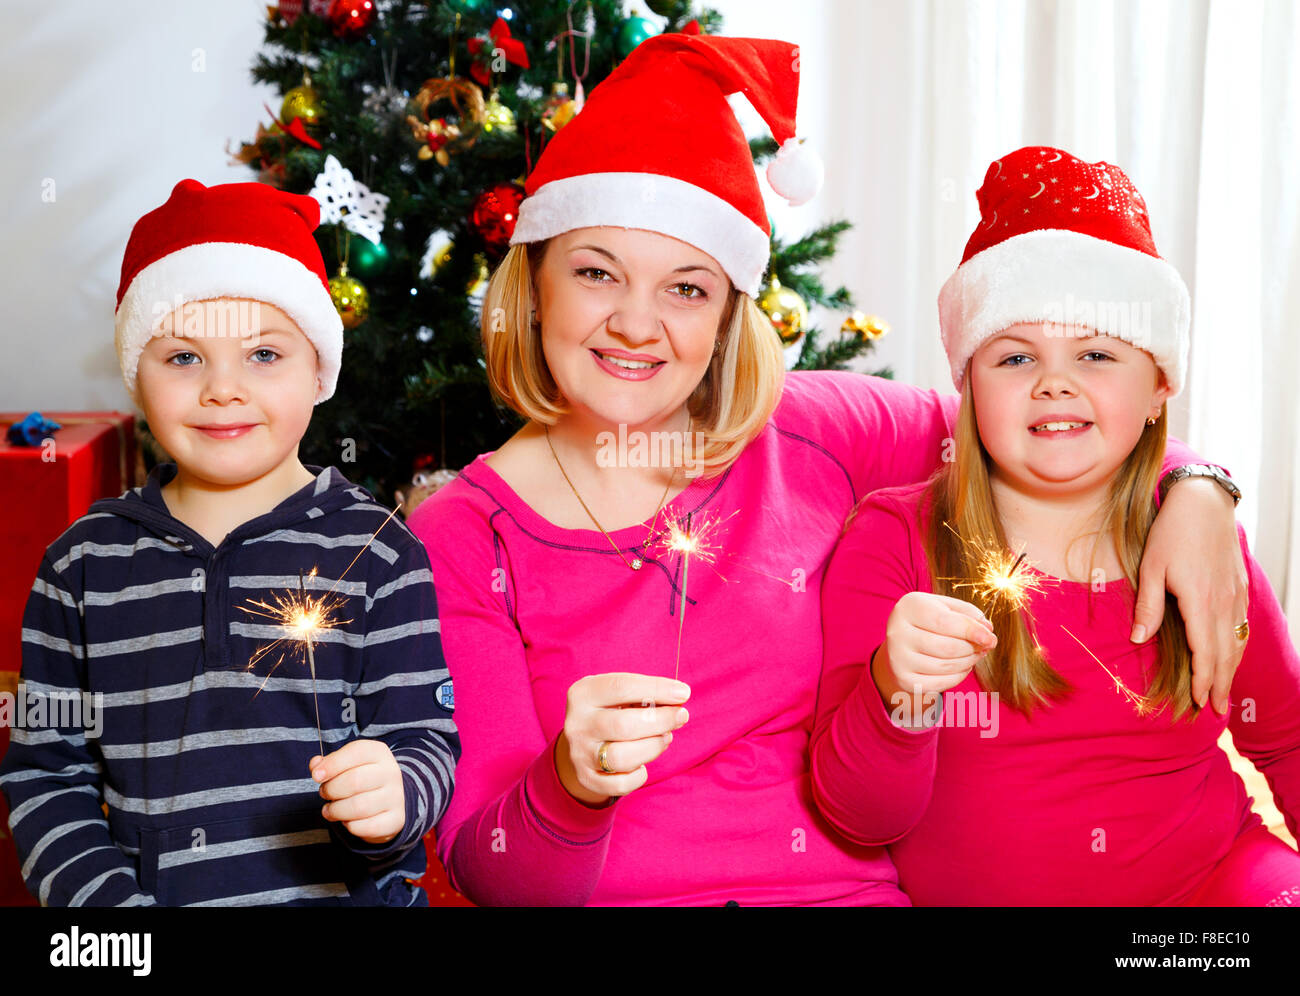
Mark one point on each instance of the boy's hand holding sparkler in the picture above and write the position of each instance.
(364, 787)
(931, 643)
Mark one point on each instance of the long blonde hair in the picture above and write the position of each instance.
(961, 497)
(730, 406)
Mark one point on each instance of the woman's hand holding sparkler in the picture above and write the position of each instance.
(931, 643)
(614, 725)
(364, 787)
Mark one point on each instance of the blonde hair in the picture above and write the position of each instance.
(961, 498)
(730, 406)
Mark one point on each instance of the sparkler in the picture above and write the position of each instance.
(691, 540)
(1141, 703)
(304, 619)
(1003, 578)
(1010, 580)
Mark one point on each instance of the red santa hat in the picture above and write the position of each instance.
(657, 147)
(1064, 241)
(238, 240)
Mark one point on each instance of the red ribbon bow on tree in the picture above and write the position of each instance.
(294, 128)
(483, 49)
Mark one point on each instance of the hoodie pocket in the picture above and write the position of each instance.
(268, 860)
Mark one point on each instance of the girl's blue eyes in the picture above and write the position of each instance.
(692, 291)
(1095, 353)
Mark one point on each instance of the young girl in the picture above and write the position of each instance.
(1030, 753)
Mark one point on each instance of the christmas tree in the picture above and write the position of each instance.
(415, 122)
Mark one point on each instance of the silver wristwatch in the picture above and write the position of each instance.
(1199, 470)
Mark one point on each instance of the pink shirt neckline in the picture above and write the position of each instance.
(693, 496)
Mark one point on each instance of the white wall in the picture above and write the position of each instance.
(111, 104)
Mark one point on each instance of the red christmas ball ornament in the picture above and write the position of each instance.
(494, 214)
(289, 10)
(351, 18)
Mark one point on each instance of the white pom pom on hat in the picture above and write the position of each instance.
(797, 172)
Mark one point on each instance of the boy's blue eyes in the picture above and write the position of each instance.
(693, 291)
(188, 359)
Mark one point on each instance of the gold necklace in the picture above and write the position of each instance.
(636, 562)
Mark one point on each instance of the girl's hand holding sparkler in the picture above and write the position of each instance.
(364, 785)
(931, 643)
(614, 725)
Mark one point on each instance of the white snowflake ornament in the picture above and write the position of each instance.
(345, 201)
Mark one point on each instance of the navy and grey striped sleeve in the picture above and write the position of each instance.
(51, 775)
(403, 699)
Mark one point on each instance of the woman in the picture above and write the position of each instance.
(621, 324)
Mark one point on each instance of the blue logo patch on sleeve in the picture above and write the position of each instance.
(446, 696)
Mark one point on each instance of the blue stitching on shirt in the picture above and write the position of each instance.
(818, 446)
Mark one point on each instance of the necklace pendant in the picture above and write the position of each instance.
(636, 563)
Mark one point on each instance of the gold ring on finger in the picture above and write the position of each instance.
(602, 757)
(1243, 630)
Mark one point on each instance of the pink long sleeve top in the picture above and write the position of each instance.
(1087, 802)
(528, 608)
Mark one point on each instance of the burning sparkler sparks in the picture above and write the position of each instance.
(691, 539)
(1009, 580)
(304, 619)
(1004, 578)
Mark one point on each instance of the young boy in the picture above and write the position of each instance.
(195, 776)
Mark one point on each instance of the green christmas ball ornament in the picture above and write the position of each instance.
(368, 258)
(467, 7)
(632, 31)
(664, 8)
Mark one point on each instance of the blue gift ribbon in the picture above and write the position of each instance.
(31, 430)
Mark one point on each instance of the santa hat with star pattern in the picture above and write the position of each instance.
(657, 147)
(235, 240)
(1065, 241)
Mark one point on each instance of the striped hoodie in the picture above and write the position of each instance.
(182, 779)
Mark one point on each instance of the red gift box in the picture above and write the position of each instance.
(49, 487)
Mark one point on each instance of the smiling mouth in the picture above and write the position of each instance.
(225, 431)
(1058, 426)
(627, 364)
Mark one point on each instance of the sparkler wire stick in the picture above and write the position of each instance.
(1141, 703)
(311, 662)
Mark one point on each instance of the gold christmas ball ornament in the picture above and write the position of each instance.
(785, 310)
(302, 102)
(560, 108)
(498, 119)
(350, 297)
(864, 326)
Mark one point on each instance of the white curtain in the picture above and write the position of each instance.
(1197, 100)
